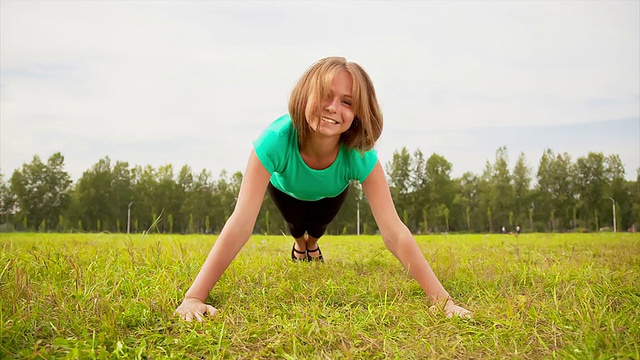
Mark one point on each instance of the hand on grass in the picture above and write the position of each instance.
(450, 309)
(192, 308)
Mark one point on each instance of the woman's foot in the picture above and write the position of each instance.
(315, 254)
(298, 255)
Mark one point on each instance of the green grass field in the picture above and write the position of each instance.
(109, 296)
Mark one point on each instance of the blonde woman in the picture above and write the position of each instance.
(305, 161)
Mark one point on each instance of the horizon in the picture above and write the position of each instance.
(621, 142)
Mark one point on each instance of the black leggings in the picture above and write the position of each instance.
(302, 216)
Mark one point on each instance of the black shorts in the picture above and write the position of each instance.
(302, 216)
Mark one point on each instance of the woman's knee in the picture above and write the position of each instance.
(296, 231)
(316, 231)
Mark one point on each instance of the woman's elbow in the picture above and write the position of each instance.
(393, 237)
(239, 225)
(391, 245)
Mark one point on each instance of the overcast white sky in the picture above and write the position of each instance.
(158, 82)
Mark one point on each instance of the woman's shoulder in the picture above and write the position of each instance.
(360, 163)
(273, 146)
(360, 156)
(281, 125)
(278, 136)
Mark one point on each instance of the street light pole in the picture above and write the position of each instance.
(614, 213)
(358, 216)
(129, 217)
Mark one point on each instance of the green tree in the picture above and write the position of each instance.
(270, 220)
(185, 180)
(440, 190)
(95, 193)
(121, 193)
(555, 190)
(592, 184)
(347, 215)
(466, 202)
(8, 203)
(200, 202)
(169, 195)
(226, 195)
(445, 213)
(484, 199)
(501, 197)
(634, 197)
(399, 177)
(41, 190)
(531, 220)
(61, 224)
(425, 220)
(419, 194)
(192, 229)
(522, 190)
(267, 227)
(144, 184)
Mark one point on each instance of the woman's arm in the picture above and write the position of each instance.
(400, 242)
(234, 235)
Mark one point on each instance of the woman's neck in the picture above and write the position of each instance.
(319, 153)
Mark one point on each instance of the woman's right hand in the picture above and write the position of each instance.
(450, 309)
(192, 308)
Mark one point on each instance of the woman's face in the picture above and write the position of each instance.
(336, 109)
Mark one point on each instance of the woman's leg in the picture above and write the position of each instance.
(318, 217)
(292, 211)
(307, 220)
(299, 250)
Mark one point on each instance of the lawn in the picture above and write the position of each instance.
(113, 295)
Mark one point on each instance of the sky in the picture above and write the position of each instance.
(194, 82)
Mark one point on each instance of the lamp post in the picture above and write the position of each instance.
(358, 216)
(614, 213)
(129, 217)
(358, 199)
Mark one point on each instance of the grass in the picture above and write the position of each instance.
(110, 296)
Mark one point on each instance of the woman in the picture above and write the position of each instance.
(305, 161)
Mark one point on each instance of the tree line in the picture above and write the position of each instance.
(563, 195)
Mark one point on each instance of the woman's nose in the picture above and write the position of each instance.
(331, 105)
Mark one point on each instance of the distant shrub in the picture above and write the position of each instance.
(4, 228)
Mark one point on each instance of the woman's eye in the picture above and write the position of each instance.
(346, 102)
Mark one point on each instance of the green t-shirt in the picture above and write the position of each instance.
(277, 149)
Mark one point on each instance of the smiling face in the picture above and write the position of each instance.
(335, 97)
(334, 113)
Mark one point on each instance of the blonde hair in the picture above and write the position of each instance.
(313, 85)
